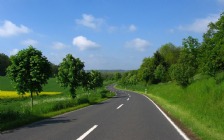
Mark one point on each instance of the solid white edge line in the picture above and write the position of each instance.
(87, 133)
(120, 106)
(174, 125)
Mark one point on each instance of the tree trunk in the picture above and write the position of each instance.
(31, 95)
(72, 91)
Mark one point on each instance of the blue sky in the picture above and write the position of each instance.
(105, 34)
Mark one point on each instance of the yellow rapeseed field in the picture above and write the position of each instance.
(14, 94)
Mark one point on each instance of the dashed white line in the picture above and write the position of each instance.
(120, 106)
(127, 99)
(87, 133)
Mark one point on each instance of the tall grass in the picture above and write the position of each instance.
(17, 111)
(200, 106)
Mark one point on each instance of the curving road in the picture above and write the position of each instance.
(128, 116)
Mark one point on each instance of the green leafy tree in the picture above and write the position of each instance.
(146, 71)
(4, 63)
(170, 53)
(70, 73)
(187, 65)
(189, 52)
(96, 79)
(54, 70)
(182, 74)
(117, 76)
(92, 80)
(212, 49)
(160, 73)
(124, 80)
(29, 71)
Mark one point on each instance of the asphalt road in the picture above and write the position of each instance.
(128, 116)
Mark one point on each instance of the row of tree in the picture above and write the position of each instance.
(182, 63)
(30, 70)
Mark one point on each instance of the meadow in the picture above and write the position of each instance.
(199, 107)
(15, 110)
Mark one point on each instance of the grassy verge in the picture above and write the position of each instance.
(15, 112)
(198, 107)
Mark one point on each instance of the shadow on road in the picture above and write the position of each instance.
(44, 122)
(51, 121)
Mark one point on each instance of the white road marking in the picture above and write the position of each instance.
(87, 133)
(127, 99)
(171, 122)
(120, 106)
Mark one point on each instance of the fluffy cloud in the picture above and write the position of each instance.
(84, 44)
(9, 29)
(58, 45)
(199, 25)
(132, 28)
(138, 43)
(14, 52)
(89, 21)
(29, 42)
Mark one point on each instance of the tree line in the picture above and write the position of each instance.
(29, 70)
(181, 64)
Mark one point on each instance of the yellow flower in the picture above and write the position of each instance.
(14, 94)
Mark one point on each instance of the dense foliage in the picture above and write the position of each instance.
(181, 64)
(29, 71)
(4, 63)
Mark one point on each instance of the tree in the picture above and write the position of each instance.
(70, 73)
(170, 53)
(212, 49)
(117, 76)
(29, 71)
(4, 63)
(96, 79)
(92, 80)
(54, 70)
(189, 52)
(160, 73)
(181, 73)
(187, 65)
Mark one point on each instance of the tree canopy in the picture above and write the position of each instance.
(4, 63)
(70, 73)
(29, 71)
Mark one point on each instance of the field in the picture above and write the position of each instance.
(15, 110)
(199, 107)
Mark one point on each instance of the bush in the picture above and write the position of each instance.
(93, 98)
(82, 99)
(219, 77)
(182, 74)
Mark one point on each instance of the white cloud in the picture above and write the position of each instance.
(29, 42)
(199, 25)
(132, 28)
(138, 43)
(84, 44)
(58, 45)
(10, 29)
(90, 21)
(14, 52)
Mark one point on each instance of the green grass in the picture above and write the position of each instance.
(200, 107)
(5, 84)
(52, 86)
